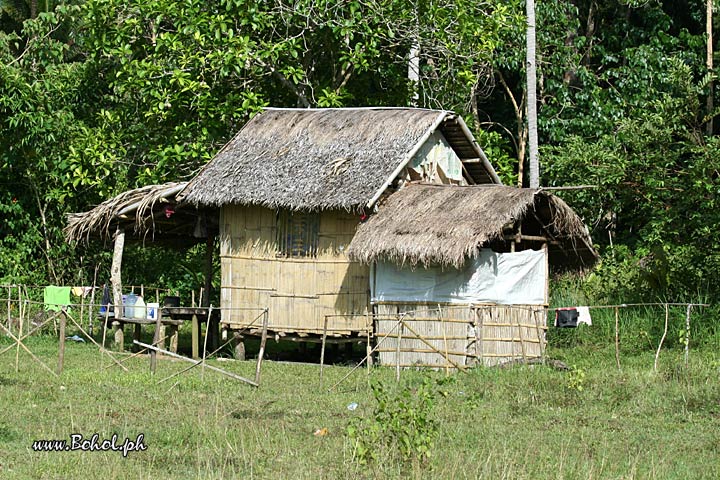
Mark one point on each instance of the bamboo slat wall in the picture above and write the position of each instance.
(504, 333)
(298, 291)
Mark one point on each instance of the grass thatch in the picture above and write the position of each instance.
(432, 224)
(311, 159)
(137, 203)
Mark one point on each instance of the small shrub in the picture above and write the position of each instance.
(402, 424)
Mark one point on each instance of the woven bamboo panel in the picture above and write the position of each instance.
(509, 332)
(505, 333)
(298, 291)
(445, 331)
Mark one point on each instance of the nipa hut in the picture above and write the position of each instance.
(460, 273)
(292, 188)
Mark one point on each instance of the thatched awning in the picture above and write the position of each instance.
(316, 159)
(148, 212)
(431, 224)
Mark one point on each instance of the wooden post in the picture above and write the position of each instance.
(61, 350)
(137, 333)
(368, 348)
(20, 309)
(195, 337)
(105, 322)
(9, 317)
(322, 347)
(479, 347)
(687, 333)
(115, 272)
(522, 339)
(91, 317)
(156, 340)
(662, 339)
(540, 332)
(19, 332)
(617, 337)
(398, 350)
(263, 340)
(213, 326)
(445, 343)
(209, 249)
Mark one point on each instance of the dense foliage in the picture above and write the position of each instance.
(97, 96)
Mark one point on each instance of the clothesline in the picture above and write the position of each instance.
(624, 305)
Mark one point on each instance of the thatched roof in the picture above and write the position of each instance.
(316, 159)
(152, 208)
(433, 224)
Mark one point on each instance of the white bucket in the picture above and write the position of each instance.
(152, 310)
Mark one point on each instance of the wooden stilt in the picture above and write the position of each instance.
(263, 340)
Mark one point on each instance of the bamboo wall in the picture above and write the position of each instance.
(299, 291)
(461, 335)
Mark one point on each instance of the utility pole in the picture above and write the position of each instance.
(531, 96)
(709, 64)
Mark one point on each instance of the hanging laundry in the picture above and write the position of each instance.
(77, 291)
(56, 297)
(105, 299)
(584, 316)
(566, 317)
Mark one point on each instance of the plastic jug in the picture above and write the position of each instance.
(139, 308)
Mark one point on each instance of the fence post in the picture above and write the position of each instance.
(61, 352)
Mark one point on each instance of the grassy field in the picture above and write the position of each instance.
(526, 422)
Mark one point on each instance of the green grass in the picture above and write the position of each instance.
(517, 423)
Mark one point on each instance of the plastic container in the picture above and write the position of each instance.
(129, 304)
(139, 309)
(152, 310)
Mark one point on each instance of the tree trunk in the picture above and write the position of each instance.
(414, 72)
(531, 97)
(115, 272)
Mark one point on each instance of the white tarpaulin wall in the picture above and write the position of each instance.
(505, 278)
